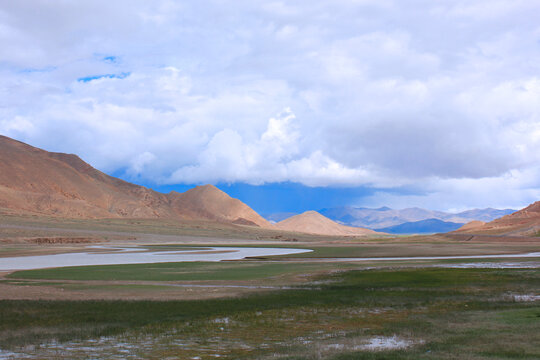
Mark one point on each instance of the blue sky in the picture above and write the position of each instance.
(285, 197)
(341, 102)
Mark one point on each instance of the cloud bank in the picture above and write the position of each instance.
(440, 98)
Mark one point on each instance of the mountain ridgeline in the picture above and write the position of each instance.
(35, 181)
(428, 226)
(312, 222)
(38, 182)
(385, 218)
(523, 222)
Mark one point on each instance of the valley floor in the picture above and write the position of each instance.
(297, 306)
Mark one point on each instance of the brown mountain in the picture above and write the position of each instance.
(471, 225)
(314, 223)
(522, 222)
(208, 202)
(40, 182)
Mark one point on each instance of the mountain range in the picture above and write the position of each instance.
(402, 221)
(385, 217)
(523, 222)
(35, 181)
(40, 182)
(428, 226)
(314, 223)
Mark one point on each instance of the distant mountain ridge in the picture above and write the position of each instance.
(386, 217)
(523, 222)
(428, 226)
(35, 181)
(38, 182)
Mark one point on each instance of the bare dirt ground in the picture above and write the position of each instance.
(117, 290)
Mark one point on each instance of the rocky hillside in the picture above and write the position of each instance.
(40, 182)
(522, 222)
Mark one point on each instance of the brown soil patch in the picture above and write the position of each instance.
(116, 291)
(53, 240)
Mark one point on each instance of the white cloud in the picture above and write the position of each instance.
(140, 162)
(273, 157)
(514, 190)
(376, 93)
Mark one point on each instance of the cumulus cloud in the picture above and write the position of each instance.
(436, 97)
(273, 157)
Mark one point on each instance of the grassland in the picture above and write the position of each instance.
(182, 271)
(290, 307)
(437, 313)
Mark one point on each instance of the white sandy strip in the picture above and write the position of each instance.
(499, 256)
(138, 256)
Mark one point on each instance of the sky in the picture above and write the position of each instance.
(318, 103)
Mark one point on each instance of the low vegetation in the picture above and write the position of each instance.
(182, 271)
(369, 314)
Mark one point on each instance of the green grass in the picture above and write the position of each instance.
(85, 286)
(448, 313)
(183, 271)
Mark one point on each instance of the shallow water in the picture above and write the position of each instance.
(377, 343)
(126, 347)
(493, 265)
(141, 255)
(134, 255)
(456, 257)
(524, 297)
(386, 343)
